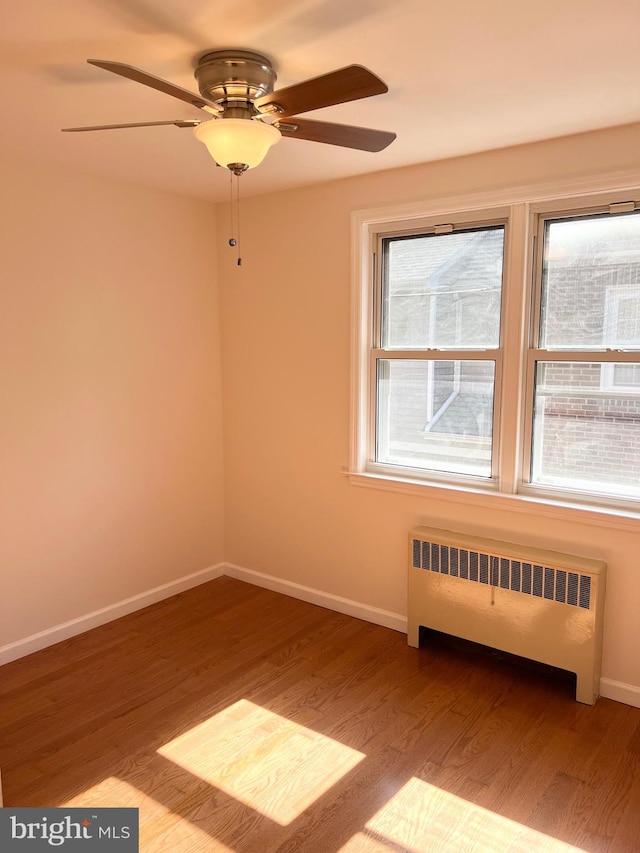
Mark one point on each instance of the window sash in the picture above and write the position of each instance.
(536, 354)
(455, 224)
(452, 254)
(387, 469)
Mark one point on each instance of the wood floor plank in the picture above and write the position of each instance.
(604, 796)
(242, 721)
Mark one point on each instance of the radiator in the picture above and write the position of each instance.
(536, 604)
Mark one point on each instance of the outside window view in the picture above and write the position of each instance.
(586, 431)
(440, 292)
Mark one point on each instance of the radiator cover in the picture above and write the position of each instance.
(537, 604)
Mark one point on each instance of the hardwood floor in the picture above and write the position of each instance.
(237, 719)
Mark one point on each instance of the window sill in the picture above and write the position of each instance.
(560, 510)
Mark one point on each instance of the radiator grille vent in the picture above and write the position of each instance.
(553, 584)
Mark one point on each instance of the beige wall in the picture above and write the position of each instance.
(290, 510)
(111, 449)
(110, 422)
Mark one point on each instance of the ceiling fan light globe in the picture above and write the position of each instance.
(237, 141)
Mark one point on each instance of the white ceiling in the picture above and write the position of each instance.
(463, 76)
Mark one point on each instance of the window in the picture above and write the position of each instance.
(498, 350)
(586, 411)
(438, 334)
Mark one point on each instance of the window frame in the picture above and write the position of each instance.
(521, 207)
(536, 354)
(434, 225)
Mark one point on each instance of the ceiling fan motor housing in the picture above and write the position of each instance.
(229, 75)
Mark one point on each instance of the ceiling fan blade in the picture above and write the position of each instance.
(337, 87)
(139, 76)
(177, 123)
(345, 135)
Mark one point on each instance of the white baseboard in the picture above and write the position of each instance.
(386, 618)
(35, 642)
(628, 694)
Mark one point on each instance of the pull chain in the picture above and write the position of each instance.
(238, 216)
(235, 219)
(232, 241)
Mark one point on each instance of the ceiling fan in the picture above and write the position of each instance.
(249, 116)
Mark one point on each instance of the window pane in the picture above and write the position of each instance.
(443, 290)
(435, 415)
(591, 283)
(586, 435)
(626, 376)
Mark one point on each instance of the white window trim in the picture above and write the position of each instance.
(521, 201)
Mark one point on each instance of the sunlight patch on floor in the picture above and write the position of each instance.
(262, 759)
(113, 792)
(160, 826)
(421, 818)
(175, 834)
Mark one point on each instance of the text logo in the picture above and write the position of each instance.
(29, 830)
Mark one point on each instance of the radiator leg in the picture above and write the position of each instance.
(413, 636)
(586, 688)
